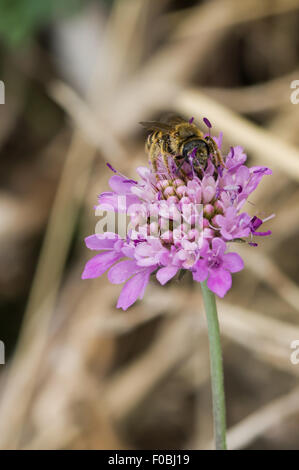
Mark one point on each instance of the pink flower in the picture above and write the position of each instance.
(217, 266)
(111, 245)
(235, 158)
(150, 253)
(180, 219)
(233, 225)
(120, 186)
(136, 279)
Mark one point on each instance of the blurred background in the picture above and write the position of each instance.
(79, 76)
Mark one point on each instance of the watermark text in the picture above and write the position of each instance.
(294, 97)
(2, 92)
(295, 354)
(2, 353)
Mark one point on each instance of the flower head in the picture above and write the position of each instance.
(180, 219)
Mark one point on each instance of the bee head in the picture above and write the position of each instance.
(199, 150)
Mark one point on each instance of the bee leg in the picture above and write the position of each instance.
(153, 161)
(165, 156)
(165, 161)
(216, 151)
(179, 168)
(154, 164)
(184, 159)
(219, 158)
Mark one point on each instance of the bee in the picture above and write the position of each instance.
(180, 141)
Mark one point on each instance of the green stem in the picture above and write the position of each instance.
(216, 367)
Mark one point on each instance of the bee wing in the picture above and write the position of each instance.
(167, 123)
(156, 126)
(173, 119)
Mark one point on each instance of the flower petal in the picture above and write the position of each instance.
(219, 246)
(97, 265)
(121, 185)
(232, 262)
(145, 262)
(201, 271)
(208, 193)
(107, 201)
(133, 289)
(144, 249)
(128, 251)
(101, 241)
(122, 271)
(118, 202)
(219, 281)
(167, 273)
(144, 172)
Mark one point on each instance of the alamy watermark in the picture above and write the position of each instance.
(2, 353)
(2, 92)
(295, 354)
(294, 97)
(147, 221)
